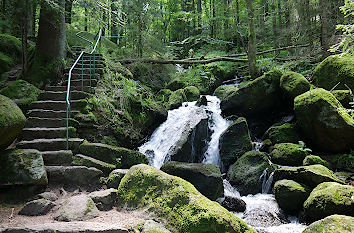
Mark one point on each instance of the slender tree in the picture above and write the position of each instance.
(251, 40)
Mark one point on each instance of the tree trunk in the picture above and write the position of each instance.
(251, 40)
(49, 57)
(86, 20)
(114, 30)
(325, 44)
(68, 10)
(274, 23)
(199, 10)
(287, 22)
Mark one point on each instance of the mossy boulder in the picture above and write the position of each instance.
(234, 142)
(10, 54)
(294, 84)
(281, 133)
(344, 161)
(288, 154)
(324, 121)
(192, 93)
(335, 69)
(22, 167)
(314, 159)
(223, 91)
(115, 177)
(12, 121)
(245, 173)
(332, 224)
(205, 177)
(329, 198)
(22, 93)
(176, 201)
(312, 175)
(286, 190)
(118, 156)
(345, 97)
(176, 99)
(6, 63)
(260, 96)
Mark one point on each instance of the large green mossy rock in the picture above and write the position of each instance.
(345, 97)
(176, 99)
(6, 63)
(314, 159)
(245, 173)
(294, 84)
(205, 177)
(22, 93)
(332, 224)
(344, 162)
(234, 142)
(329, 198)
(323, 120)
(312, 175)
(22, 167)
(335, 69)
(177, 201)
(192, 93)
(261, 95)
(286, 190)
(223, 91)
(118, 156)
(282, 133)
(12, 121)
(288, 154)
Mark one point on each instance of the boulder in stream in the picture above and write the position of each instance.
(332, 224)
(282, 133)
(288, 154)
(294, 84)
(205, 177)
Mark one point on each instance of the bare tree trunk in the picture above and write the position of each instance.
(287, 22)
(324, 28)
(86, 20)
(251, 40)
(199, 10)
(68, 10)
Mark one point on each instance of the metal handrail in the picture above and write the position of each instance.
(68, 90)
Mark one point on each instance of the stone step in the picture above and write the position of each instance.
(58, 105)
(73, 88)
(88, 61)
(83, 82)
(85, 76)
(50, 144)
(61, 95)
(74, 175)
(37, 122)
(79, 70)
(48, 133)
(57, 158)
(49, 113)
(82, 160)
(86, 65)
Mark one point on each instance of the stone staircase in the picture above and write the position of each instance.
(45, 129)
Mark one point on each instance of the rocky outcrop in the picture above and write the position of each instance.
(333, 70)
(329, 198)
(246, 172)
(312, 175)
(323, 120)
(205, 177)
(22, 167)
(314, 159)
(37, 207)
(234, 142)
(288, 154)
(233, 204)
(192, 93)
(104, 199)
(176, 99)
(332, 224)
(176, 201)
(286, 190)
(12, 121)
(294, 84)
(115, 177)
(223, 91)
(282, 133)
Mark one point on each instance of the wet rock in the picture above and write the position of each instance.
(176, 99)
(205, 177)
(77, 208)
(152, 226)
(192, 93)
(234, 204)
(312, 175)
(288, 154)
(104, 199)
(314, 159)
(323, 120)
(263, 218)
(245, 173)
(329, 198)
(118, 156)
(202, 101)
(50, 196)
(223, 91)
(12, 122)
(332, 224)
(115, 177)
(335, 69)
(294, 84)
(234, 142)
(281, 133)
(176, 201)
(286, 190)
(22, 167)
(37, 207)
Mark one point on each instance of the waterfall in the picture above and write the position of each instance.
(266, 183)
(237, 82)
(217, 125)
(257, 145)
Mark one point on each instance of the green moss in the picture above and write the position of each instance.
(176, 201)
(345, 161)
(288, 154)
(294, 84)
(282, 133)
(11, 46)
(313, 159)
(329, 198)
(45, 70)
(79, 160)
(176, 99)
(335, 69)
(22, 92)
(332, 224)
(345, 97)
(6, 63)
(192, 93)
(223, 91)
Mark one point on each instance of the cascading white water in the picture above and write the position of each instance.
(167, 134)
(217, 125)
